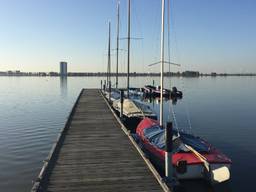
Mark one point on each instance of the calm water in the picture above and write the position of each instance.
(34, 109)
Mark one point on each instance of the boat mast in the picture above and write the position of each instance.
(168, 153)
(109, 56)
(169, 24)
(117, 44)
(128, 48)
(107, 66)
(162, 64)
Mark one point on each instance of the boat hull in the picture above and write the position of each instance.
(193, 171)
(186, 164)
(151, 91)
(132, 122)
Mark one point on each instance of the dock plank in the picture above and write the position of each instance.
(96, 155)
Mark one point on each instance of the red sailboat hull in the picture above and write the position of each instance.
(195, 168)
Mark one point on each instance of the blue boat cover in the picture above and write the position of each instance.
(156, 136)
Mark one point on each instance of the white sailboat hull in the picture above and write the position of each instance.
(198, 171)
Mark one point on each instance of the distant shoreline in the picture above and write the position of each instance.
(134, 74)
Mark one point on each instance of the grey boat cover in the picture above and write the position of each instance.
(132, 108)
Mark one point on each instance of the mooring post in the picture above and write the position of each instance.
(153, 82)
(122, 102)
(104, 87)
(101, 85)
(109, 89)
(168, 153)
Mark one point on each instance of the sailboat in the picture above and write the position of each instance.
(111, 94)
(133, 111)
(152, 91)
(192, 157)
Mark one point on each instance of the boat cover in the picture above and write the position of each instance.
(156, 136)
(133, 108)
(115, 95)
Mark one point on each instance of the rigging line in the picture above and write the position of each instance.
(169, 58)
(137, 22)
(154, 47)
(174, 31)
(139, 28)
(119, 50)
(122, 61)
(166, 62)
(141, 111)
(186, 106)
(174, 117)
(183, 87)
(187, 113)
(133, 38)
(143, 56)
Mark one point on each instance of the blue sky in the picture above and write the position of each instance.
(206, 35)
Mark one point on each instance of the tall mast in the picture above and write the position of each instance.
(128, 48)
(109, 56)
(108, 63)
(169, 24)
(117, 43)
(162, 64)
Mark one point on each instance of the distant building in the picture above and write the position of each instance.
(3, 73)
(191, 73)
(9, 72)
(63, 68)
(53, 74)
(213, 74)
(43, 74)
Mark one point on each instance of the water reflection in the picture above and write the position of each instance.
(156, 100)
(63, 86)
(197, 185)
(202, 186)
(26, 141)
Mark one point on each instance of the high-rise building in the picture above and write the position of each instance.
(63, 68)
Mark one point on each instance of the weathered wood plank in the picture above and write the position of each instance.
(96, 155)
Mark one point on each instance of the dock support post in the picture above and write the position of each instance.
(122, 102)
(104, 87)
(101, 85)
(168, 153)
(153, 82)
(109, 89)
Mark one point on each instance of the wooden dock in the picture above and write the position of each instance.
(95, 153)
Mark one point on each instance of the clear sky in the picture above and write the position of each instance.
(206, 35)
